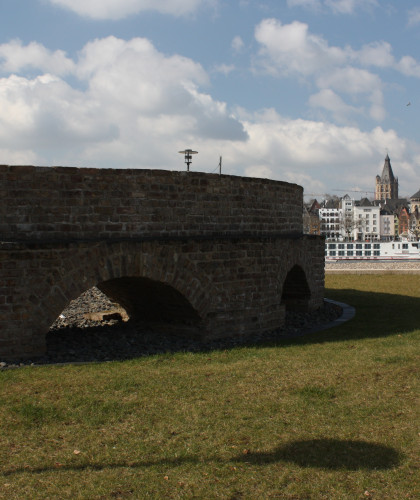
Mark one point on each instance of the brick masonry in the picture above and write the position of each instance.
(223, 253)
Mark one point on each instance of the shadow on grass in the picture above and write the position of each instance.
(377, 315)
(331, 454)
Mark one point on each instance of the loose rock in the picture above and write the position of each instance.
(79, 335)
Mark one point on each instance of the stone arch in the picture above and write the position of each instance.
(221, 245)
(167, 268)
(150, 280)
(296, 293)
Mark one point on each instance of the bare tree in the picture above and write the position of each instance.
(348, 224)
(415, 225)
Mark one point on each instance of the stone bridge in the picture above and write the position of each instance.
(223, 254)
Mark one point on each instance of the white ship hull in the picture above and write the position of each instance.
(380, 250)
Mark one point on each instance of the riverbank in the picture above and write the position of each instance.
(372, 267)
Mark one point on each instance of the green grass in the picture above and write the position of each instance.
(333, 415)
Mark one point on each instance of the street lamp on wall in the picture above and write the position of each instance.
(188, 157)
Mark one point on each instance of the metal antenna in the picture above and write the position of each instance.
(188, 157)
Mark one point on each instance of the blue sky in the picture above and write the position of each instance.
(315, 92)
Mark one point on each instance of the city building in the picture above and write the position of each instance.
(387, 218)
(415, 202)
(367, 221)
(387, 224)
(311, 219)
(329, 215)
(387, 183)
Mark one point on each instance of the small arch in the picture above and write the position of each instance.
(160, 293)
(296, 292)
(127, 314)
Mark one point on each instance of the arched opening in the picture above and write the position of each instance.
(123, 318)
(296, 292)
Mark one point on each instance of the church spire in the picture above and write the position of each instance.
(387, 173)
(387, 183)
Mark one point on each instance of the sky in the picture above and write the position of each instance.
(314, 92)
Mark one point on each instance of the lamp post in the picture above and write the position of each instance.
(188, 157)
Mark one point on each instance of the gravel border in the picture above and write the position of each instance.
(73, 339)
(394, 266)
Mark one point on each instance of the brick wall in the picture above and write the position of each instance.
(75, 203)
(225, 244)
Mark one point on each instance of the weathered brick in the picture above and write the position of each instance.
(225, 266)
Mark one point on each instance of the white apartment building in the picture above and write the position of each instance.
(387, 225)
(329, 215)
(350, 220)
(367, 225)
(347, 222)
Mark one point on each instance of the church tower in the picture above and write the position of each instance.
(386, 184)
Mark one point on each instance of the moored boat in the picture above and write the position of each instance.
(380, 250)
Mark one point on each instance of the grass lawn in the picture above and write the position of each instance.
(334, 415)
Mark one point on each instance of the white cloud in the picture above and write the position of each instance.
(47, 112)
(291, 49)
(135, 104)
(237, 44)
(409, 66)
(349, 6)
(311, 4)
(118, 9)
(21, 157)
(350, 80)
(320, 156)
(225, 69)
(353, 82)
(414, 17)
(328, 100)
(375, 54)
(336, 6)
(135, 75)
(137, 107)
(14, 57)
(377, 110)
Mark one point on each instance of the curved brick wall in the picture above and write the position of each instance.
(84, 203)
(226, 252)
